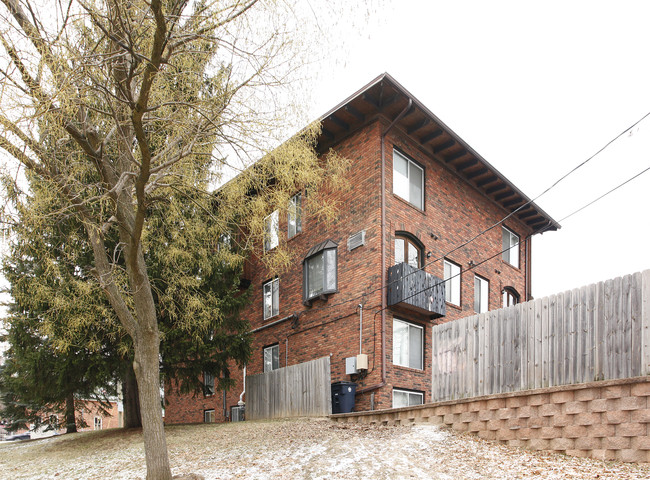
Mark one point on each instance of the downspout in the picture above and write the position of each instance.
(383, 251)
(241, 395)
(360, 328)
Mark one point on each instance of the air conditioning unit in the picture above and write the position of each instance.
(237, 414)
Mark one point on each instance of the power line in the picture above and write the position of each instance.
(496, 224)
(529, 236)
(607, 193)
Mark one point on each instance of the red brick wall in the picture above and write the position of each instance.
(90, 410)
(454, 211)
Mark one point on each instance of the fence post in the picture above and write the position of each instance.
(645, 322)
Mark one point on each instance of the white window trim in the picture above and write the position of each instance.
(271, 231)
(206, 413)
(409, 393)
(481, 297)
(452, 295)
(512, 250)
(274, 287)
(270, 349)
(101, 423)
(410, 326)
(410, 164)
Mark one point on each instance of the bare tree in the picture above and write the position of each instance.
(120, 105)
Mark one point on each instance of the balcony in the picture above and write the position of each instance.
(416, 290)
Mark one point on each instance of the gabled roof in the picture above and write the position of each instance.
(385, 96)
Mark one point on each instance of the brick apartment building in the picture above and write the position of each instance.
(371, 282)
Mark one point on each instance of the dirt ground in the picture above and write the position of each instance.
(299, 449)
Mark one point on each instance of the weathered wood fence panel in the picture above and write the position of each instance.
(301, 390)
(598, 332)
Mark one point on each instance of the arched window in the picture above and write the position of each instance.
(408, 250)
(510, 297)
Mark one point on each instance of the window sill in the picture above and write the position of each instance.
(295, 236)
(410, 369)
(453, 305)
(510, 265)
(406, 202)
(323, 296)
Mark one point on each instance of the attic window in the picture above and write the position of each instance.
(319, 271)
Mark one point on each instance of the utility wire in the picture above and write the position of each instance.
(496, 224)
(506, 249)
(607, 193)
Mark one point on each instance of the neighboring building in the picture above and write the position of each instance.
(417, 193)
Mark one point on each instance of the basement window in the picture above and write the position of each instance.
(407, 398)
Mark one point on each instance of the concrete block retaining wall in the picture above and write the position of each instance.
(607, 420)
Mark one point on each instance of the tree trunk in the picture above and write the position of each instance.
(130, 401)
(147, 371)
(70, 421)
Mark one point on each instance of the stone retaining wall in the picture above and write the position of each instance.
(605, 420)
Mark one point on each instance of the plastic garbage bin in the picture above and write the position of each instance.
(343, 396)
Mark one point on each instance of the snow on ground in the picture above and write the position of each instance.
(299, 449)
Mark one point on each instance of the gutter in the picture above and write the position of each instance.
(383, 251)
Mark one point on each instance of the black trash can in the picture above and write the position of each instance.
(343, 396)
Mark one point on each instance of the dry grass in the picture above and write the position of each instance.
(310, 449)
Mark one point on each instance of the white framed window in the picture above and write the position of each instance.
(319, 271)
(452, 282)
(510, 297)
(271, 231)
(481, 294)
(408, 180)
(510, 247)
(294, 216)
(271, 298)
(406, 398)
(208, 383)
(408, 344)
(271, 358)
(98, 423)
(208, 416)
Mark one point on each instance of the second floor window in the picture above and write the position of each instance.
(481, 294)
(408, 180)
(294, 217)
(510, 297)
(208, 383)
(319, 271)
(407, 344)
(452, 282)
(271, 298)
(271, 231)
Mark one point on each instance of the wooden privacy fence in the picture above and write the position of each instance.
(301, 390)
(597, 332)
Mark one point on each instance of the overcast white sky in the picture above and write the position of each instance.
(536, 88)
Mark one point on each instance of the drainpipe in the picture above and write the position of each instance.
(241, 395)
(360, 328)
(383, 251)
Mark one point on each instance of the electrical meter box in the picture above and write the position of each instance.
(362, 362)
(351, 366)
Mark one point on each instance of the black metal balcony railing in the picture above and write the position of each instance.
(416, 290)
